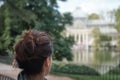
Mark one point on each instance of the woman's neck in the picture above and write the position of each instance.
(36, 77)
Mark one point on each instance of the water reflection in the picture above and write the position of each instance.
(83, 57)
(101, 57)
(97, 59)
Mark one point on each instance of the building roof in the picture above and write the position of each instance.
(82, 22)
(108, 30)
(78, 13)
(99, 22)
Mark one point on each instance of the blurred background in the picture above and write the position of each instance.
(86, 34)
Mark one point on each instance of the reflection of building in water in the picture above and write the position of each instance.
(96, 57)
(83, 57)
(82, 27)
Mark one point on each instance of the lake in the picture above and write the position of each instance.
(102, 60)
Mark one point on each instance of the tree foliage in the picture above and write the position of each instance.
(105, 37)
(100, 40)
(105, 40)
(5, 32)
(93, 16)
(117, 26)
(96, 35)
(41, 15)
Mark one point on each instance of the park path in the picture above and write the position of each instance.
(12, 72)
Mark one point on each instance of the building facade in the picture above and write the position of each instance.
(82, 27)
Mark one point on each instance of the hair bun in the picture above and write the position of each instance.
(28, 43)
(33, 44)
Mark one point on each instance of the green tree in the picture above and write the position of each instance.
(105, 40)
(59, 49)
(96, 35)
(5, 32)
(93, 16)
(41, 15)
(100, 40)
(105, 37)
(117, 26)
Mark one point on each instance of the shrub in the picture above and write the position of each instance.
(73, 69)
(115, 71)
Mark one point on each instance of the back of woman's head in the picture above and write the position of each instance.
(32, 50)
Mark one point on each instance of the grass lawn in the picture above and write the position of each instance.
(90, 77)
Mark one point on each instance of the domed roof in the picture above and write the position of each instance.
(78, 13)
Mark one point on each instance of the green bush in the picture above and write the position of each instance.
(115, 71)
(73, 69)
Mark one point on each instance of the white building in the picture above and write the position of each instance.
(82, 28)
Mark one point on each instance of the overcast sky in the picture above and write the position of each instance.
(89, 6)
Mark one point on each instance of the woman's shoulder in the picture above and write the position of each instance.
(21, 76)
(45, 79)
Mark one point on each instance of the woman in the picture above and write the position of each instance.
(33, 53)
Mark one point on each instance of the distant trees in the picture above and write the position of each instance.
(19, 15)
(117, 26)
(93, 16)
(100, 40)
(96, 35)
(105, 40)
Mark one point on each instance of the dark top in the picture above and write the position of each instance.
(21, 76)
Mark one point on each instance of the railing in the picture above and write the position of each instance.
(4, 77)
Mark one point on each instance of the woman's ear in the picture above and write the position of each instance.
(47, 65)
(48, 62)
(14, 64)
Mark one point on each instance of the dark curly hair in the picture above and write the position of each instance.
(32, 50)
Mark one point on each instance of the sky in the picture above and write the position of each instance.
(89, 6)
(1, 3)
